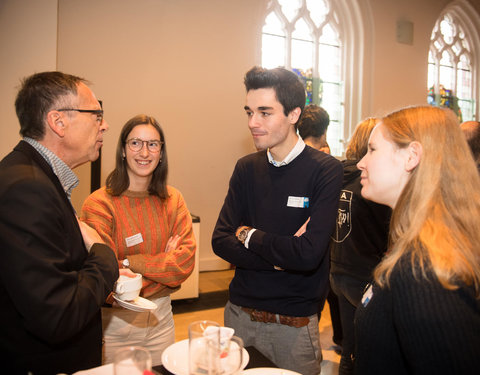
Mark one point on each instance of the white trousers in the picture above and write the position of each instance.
(152, 330)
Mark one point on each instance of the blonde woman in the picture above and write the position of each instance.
(358, 242)
(421, 315)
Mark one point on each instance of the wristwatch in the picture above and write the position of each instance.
(125, 263)
(242, 236)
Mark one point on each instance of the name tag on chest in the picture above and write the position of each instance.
(298, 202)
(367, 296)
(134, 240)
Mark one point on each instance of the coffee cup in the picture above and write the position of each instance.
(128, 288)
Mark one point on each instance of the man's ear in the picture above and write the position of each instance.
(55, 123)
(294, 115)
(414, 155)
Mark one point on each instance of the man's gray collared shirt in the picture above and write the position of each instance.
(67, 178)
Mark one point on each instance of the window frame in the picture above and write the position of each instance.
(354, 26)
(460, 14)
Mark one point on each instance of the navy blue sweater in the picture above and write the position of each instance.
(416, 326)
(272, 200)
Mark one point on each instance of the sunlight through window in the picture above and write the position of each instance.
(450, 69)
(301, 35)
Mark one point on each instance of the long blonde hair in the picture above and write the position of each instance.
(436, 220)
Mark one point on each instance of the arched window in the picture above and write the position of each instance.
(452, 63)
(305, 37)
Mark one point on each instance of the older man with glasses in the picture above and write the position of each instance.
(56, 271)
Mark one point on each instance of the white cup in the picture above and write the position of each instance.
(128, 288)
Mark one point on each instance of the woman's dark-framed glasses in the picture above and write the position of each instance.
(98, 112)
(136, 144)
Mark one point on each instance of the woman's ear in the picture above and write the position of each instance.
(55, 123)
(414, 154)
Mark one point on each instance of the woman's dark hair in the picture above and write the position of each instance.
(118, 180)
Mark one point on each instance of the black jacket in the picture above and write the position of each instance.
(361, 229)
(51, 288)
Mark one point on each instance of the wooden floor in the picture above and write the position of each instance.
(219, 280)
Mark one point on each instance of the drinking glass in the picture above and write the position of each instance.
(227, 360)
(203, 337)
(132, 360)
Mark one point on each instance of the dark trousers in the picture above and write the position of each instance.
(349, 291)
(332, 300)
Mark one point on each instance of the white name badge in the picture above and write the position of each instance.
(134, 240)
(299, 202)
(367, 296)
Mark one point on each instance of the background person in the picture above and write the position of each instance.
(148, 225)
(422, 313)
(280, 279)
(471, 130)
(312, 127)
(358, 242)
(56, 272)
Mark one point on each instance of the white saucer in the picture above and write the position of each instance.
(175, 358)
(139, 304)
(269, 371)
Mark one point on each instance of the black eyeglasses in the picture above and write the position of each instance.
(98, 112)
(136, 144)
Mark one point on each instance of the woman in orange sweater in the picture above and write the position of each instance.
(148, 225)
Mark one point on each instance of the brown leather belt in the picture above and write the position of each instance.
(268, 317)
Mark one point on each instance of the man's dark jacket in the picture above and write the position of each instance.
(51, 288)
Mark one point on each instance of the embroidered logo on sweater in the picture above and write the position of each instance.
(343, 225)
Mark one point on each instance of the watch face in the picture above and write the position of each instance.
(243, 235)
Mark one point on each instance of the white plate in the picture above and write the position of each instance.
(269, 371)
(175, 358)
(139, 304)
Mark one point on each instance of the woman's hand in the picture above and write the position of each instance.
(172, 243)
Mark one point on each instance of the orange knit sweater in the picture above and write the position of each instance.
(137, 226)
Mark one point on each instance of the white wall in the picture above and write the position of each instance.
(399, 70)
(183, 62)
(28, 44)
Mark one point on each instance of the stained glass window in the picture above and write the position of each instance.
(450, 68)
(303, 36)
